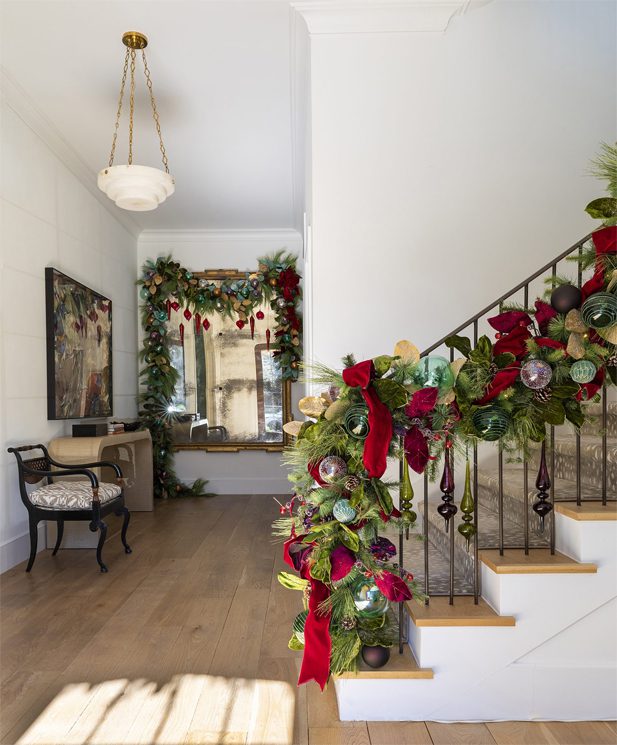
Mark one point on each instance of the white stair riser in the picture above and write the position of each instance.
(586, 541)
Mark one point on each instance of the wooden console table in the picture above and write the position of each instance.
(132, 451)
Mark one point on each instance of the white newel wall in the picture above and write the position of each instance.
(446, 167)
(50, 219)
(249, 472)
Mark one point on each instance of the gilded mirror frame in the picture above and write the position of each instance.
(216, 275)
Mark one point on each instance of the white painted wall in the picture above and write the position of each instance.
(248, 472)
(49, 219)
(448, 167)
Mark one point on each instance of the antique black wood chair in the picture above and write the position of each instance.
(69, 500)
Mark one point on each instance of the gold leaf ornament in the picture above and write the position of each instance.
(609, 334)
(576, 346)
(574, 322)
(312, 406)
(408, 352)
(292, 428)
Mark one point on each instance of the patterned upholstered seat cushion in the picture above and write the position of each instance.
(71, 495)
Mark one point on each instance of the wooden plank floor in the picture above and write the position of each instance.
(185, 641)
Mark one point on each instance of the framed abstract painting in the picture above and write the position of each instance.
(79, 362)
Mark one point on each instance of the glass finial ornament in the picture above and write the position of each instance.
(332, 468)
(565, 298)
(406, 497)
(343, 511)
(433, 371)
(543, 484)
(447, 509)
(600, 310)
(536, 374)
(467, 529)
(356, 422)
(583, 371)
(491, 422)
(133, 187)
(299, 624)
(367, 598)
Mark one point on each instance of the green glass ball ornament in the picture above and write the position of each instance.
(356, 422)
(367, 598)
(600, 310)
(583, 371)
(343, 511)
(491, 422)
(433, 371)
(299, 624)
(331, 468)
(161, 316)
(144, 293)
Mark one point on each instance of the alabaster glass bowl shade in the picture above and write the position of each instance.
(136, 188)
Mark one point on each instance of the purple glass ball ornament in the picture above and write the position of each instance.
(375, 656)
(331, 468)
(536, 374)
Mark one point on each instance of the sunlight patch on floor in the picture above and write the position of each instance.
(188, 709)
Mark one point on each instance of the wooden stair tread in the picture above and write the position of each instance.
(538, 561)
(464, 612)
(398, 666)
(588, 510)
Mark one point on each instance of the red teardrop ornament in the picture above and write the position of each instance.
(188, 315)
(206, 324)
(176, 306)
(252, 323)
(240, 324)
(168, 306)
(268, 339)
(260, 315)
(197, 323)
(182, 333)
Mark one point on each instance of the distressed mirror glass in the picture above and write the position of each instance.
(230, 393)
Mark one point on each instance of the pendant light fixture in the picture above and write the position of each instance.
(132, 187)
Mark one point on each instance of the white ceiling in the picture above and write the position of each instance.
(224, 85)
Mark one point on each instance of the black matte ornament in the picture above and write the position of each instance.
(565, 298)
(375, 656)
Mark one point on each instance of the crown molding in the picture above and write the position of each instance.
(381, 16)
(291, 238)
(27, 110)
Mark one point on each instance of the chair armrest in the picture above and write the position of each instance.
(98, 464)
(65, 472)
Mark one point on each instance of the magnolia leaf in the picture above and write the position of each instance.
(574, 413)
(291, 582)
(461, 343)
(321, 568)
(407, 352)
(349, 538)
(295, 644)
(602, 208)
(382, 364)
(482, 352)
(383, 495)
(357, 495)
(391, 393)
(554, 412)
(504, 359)
(565, 390)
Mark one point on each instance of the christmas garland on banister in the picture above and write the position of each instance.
(168, 289)
(545, 365)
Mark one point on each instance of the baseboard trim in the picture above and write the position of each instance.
(15, 551)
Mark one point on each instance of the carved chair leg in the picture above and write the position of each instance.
(102, 528)
(34, 538)
(125, 525)
(59, 534)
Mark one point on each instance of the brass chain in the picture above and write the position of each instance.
(132, 107)
(113, 142)
(155, 114)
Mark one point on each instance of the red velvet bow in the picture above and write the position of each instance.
(377, 443)
(605, 242)
(589, 390)
(503, 379)
(514, 342)
(507, 321)
(545, 341)
(342, 560)
(317, 641)
(393, 587)
(593, 285)
(544, 313)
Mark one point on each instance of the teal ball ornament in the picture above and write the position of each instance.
(356, 422)
(343, 511)
(491, 422)
(600, 310)
(299, 624)
(583, 371)
(435, 372)
(369, 601)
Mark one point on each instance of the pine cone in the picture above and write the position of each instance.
(612, 360)
(348, 623)
(351, 483)
(544, 395)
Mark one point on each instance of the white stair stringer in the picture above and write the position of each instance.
(544, 667)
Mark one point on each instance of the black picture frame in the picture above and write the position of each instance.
(79, 349)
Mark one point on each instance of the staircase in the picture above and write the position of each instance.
(522, 624)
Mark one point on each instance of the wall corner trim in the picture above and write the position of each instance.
(21, 103)
(381, 16)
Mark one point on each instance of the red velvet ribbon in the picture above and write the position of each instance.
(503, 379)
(544, 313)
(317, 641)
(377, 443)
(514, 342)
(393, 587)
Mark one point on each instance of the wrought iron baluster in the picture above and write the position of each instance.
(579, 281)
(552, 486)
(426, 541)
(476, 561)
(604, 445)
(447, 509)
(526, 465)
(500, 502)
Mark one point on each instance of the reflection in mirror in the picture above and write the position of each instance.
(230, 388)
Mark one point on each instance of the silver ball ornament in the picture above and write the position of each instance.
(368, 599)
(331, 468)
(536, 374)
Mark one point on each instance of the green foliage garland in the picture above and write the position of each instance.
(163, 283)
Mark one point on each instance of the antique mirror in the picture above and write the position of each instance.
(230, 393)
